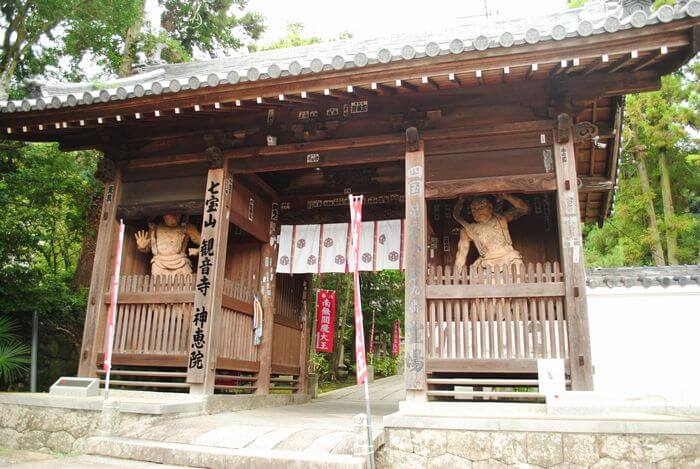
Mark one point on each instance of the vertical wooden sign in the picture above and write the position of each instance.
(572, 261)
(415, 242)
(201, 359)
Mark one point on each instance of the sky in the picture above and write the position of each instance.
(367, 19)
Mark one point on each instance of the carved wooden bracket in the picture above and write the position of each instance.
(106, 170)
(412, 139)
(584, 131)
(563, 125)
(215, 157)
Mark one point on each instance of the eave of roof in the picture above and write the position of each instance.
(317, 58)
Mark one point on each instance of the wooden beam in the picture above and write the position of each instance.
(531, 72)
(596, 63)
(479, 77)
(526, 183)
(522, 290)
(304, 336)
(319, 159)
(429, 83)
(571, 246)
(559, 68)
(403, 84)
(415, 262)
(655, 56)
(96, 314)
(623, 62)
(268, 257)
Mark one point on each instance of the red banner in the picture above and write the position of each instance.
(355, 229)
(325, 320)
(396, 339)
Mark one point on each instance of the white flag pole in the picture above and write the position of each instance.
(114, 296)
(360, 355)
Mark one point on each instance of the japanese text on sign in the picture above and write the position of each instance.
(325, 322)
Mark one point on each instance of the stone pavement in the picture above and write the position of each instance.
(324, 425)
(90, 462)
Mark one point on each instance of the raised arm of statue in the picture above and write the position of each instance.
(462, 250)
(457, 212)
(143, 240)
(518, 207)
(194, 234)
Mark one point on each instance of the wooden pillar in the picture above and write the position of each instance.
(204, 326)
(95, 315)
(571, 248)
(268, 257)
(415, 252)
(308, 303)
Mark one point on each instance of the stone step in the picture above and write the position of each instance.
(214, 457)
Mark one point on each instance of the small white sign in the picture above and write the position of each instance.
(551, 376)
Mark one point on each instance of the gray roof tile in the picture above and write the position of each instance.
(675, 275)
(595, 18)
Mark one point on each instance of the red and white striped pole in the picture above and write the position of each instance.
(360, 356)
(112, 312)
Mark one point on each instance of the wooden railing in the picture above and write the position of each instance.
(236, 326)
(153, 315)
(495, 315)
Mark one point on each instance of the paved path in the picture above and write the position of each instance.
(324, 425)
(20, 459)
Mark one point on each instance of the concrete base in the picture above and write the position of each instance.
(44, 422)
(483, 434)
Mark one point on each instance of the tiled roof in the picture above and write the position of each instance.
(593, 19)
(676, 275)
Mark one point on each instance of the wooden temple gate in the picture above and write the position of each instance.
(412, 126)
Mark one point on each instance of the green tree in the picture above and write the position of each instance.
(37, 34)
(210, 26)
(656, 219)
(293, 38)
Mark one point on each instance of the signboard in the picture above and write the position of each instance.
(325, 322)
(550, 375)
(200, 326)
(396, 339)
(355, 230)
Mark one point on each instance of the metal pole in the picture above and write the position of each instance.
(370, 444)
(35, 351)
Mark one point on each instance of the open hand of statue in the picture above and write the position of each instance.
(142, 239)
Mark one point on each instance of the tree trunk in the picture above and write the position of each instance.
(333, 365)
(129, 40)
(657, 250)
(669, 212)
(83, 269)
(339, 359)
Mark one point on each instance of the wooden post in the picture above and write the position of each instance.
(415, 373)
(203, 350)
(95, 315)
(571, 248)
(308, 303)
(268, 257)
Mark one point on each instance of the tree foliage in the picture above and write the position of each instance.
(210, 26)
(661, 127)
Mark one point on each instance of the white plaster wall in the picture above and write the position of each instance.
(646, 341)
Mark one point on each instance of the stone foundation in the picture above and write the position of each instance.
(55, 429)
(440, 448)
